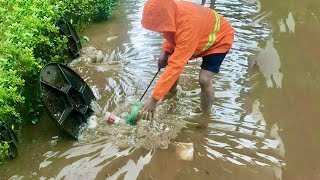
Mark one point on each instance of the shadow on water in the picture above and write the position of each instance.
(249, 135)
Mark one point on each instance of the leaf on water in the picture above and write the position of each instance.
(84, 39)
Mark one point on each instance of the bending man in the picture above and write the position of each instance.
(190, 31)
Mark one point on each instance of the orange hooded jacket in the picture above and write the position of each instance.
(190, 30)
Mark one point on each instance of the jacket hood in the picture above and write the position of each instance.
(159, 15)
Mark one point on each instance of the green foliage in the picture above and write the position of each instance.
(10, 85)
(83, 12)
(29, 39)
(105, 8)
(3, 151)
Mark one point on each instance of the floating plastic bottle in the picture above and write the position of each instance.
(113, 119)
(132, 118)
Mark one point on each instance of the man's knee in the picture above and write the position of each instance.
(205, 81)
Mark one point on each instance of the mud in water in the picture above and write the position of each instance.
(154, 133)
(148, 134)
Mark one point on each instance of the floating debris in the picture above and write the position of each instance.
(84, 39)
(184, 151)
(112, 38)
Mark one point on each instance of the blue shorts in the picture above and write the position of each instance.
(212, 62)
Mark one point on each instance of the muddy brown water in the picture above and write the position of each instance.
(265, 118)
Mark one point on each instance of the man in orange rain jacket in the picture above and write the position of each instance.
(190, 31)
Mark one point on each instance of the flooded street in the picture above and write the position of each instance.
(265, 118)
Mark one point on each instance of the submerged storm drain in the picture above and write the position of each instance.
(66, 97)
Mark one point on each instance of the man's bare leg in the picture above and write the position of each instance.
(207, 90)
(173, 91)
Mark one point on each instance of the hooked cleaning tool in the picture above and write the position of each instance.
(133, 115)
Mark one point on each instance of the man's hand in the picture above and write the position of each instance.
(148, 108)
(163, 59)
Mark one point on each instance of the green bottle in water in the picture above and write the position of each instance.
(132, 118)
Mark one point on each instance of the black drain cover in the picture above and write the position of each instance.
(66, 97)
(66, 29)
(7, 134)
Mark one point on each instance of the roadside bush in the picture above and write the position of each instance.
(3, 151)
(105, 7)
(82, 12)
(29, 40)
